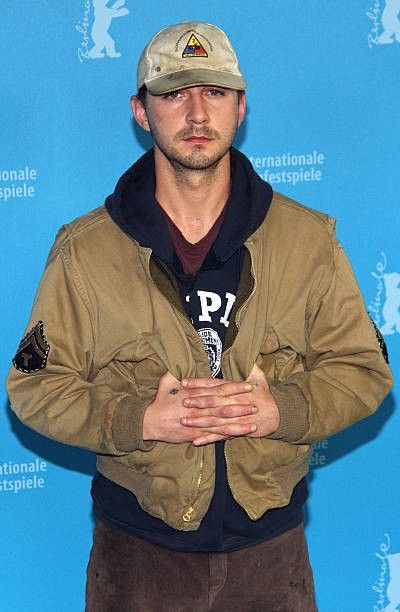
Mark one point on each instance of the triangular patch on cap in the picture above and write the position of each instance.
(194, 48)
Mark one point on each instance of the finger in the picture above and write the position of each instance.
(218, 416)
(202, 422)
(192, 383)
(211, 422)
(225, 387)
(224, 433)
(235, 410)
(231, 429)
(217, 401)
(208, 439)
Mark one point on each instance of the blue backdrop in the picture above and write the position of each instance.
(322, 127)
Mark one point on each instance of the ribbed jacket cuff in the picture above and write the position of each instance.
(293, 411)
(127, 426)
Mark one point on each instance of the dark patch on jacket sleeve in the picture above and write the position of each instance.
(381, 341)
(33, 350)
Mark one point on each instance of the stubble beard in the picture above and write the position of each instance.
(196, 161)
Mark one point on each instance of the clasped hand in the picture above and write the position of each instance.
(206, 410)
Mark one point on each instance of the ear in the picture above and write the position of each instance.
(139, 112)
(242, 107)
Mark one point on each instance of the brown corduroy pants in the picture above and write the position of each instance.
(128, 574)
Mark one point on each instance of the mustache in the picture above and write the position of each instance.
(193, 131)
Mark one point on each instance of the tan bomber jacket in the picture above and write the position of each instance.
(111, 325)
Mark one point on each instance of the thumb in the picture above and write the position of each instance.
(257, 376)
(169, 379)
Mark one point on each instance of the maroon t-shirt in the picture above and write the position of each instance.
(192, 255)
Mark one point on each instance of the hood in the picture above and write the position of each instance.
(134, 208)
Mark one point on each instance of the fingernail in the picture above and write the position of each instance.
(254, 409)
(186, 402)
(184, 382)
(248, 387)
(253, 428)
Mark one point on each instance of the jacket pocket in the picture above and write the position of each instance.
(278, 362)
(266, 360)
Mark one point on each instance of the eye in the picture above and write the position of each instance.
(172, 95)
(213, 91)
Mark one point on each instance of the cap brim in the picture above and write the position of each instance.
(192, 77)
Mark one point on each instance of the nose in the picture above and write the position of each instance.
(197, 108)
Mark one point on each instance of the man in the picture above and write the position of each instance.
(198, 333)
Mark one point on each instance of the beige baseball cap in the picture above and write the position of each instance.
(187, 54)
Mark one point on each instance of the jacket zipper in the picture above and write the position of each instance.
(187, 517)
(240, 310)
(247, 300)
(181, 314)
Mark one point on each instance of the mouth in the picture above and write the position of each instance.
(197, 139)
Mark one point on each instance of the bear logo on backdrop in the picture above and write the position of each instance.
(385, 308)
(385, 23)
(97, 42)
(388, 584)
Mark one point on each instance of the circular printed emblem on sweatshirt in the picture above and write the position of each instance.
(213, 347)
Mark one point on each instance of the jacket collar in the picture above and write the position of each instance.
(134, 209)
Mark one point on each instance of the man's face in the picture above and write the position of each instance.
(193, 127)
